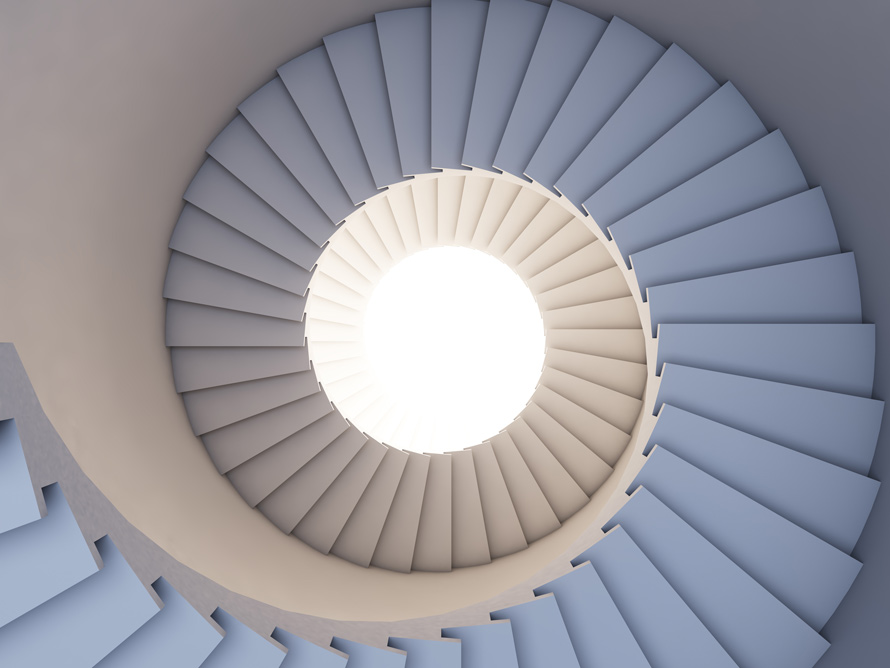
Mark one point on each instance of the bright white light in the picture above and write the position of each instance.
(456, 341)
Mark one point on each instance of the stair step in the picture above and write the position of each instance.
(721, 125)
(321, 526)
(598, 287)
(820, 290)
(759, 174)
(405, 45)
(615, 374)
(380, 214)
(201, 236)
(401, 200)
(563, 48)
(511, 31)
(178, 636)
(589, 259)
(18, 504)
(216, 192)
(235, 444)
(241, 646)
(358, 539)
(365, 656)
(572, 238)
(333, 311)
(351, 250)
(368, 238)
(585, 467)
(450, 194)
(457, 30)
(616, 408)
(216, 407)
(799, 228)
(196, 325)
(243, 152)
(748, 622)
(426, 205)
(837, 428)
(202, 368)
(805, 573)
(312, 83)
(598, 633)
(550, 220)
(603, 438)
(828, 501)
(291, 477)
(485, 645)
(301, 652)
(85, 622)
(469, 543)
(331, 289)
(41, 558)
(355, 55)
(395, 549)
(535, 515)
(833, 357)
(563, 494)
(539, 633)
(473, 198)
(502, 527)
(422, 653)
(619, 344)
(501, 198)
(274, 115)
(432, 550)
(525, 208)
(674, 86)
(619, 62)
(667, 631)
(620, 313)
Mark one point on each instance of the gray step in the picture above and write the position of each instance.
(359, 537)
(598, 632)
(798, 228)
(312, 83)
(18, 504)
(511, 31)
(200, 368)
(759, 174)
(217, 192)
(720, 126)
(81, 625)
(241, 646)
(365, 656)
(243, 152)
(674, 86)
(502, 527)
(621, 59)
(236, 443)
(539, 633)
(40, 559)
(301, 652)
(395, 549)
(405, 46)
(469, 543)
(563, 48)
(535, 515)
(201, 236)
(355, 55)
(833, 357)
(432, 550)
(196, 325)
(321, 526)
(178, 637)
(667, 631)
(485, 645)
(805, 573)
(199, 282)
(828, 501)
(457, 29)
(274, 115)
(424, 653)
(819, 290)
(296, 472)
(836, 428)
(748, 622)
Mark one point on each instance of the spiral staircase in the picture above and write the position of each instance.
(708, 376)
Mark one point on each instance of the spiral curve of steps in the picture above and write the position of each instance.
(757, 426)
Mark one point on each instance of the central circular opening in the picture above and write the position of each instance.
(455, 343)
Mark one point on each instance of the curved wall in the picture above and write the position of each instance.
(108, 109)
